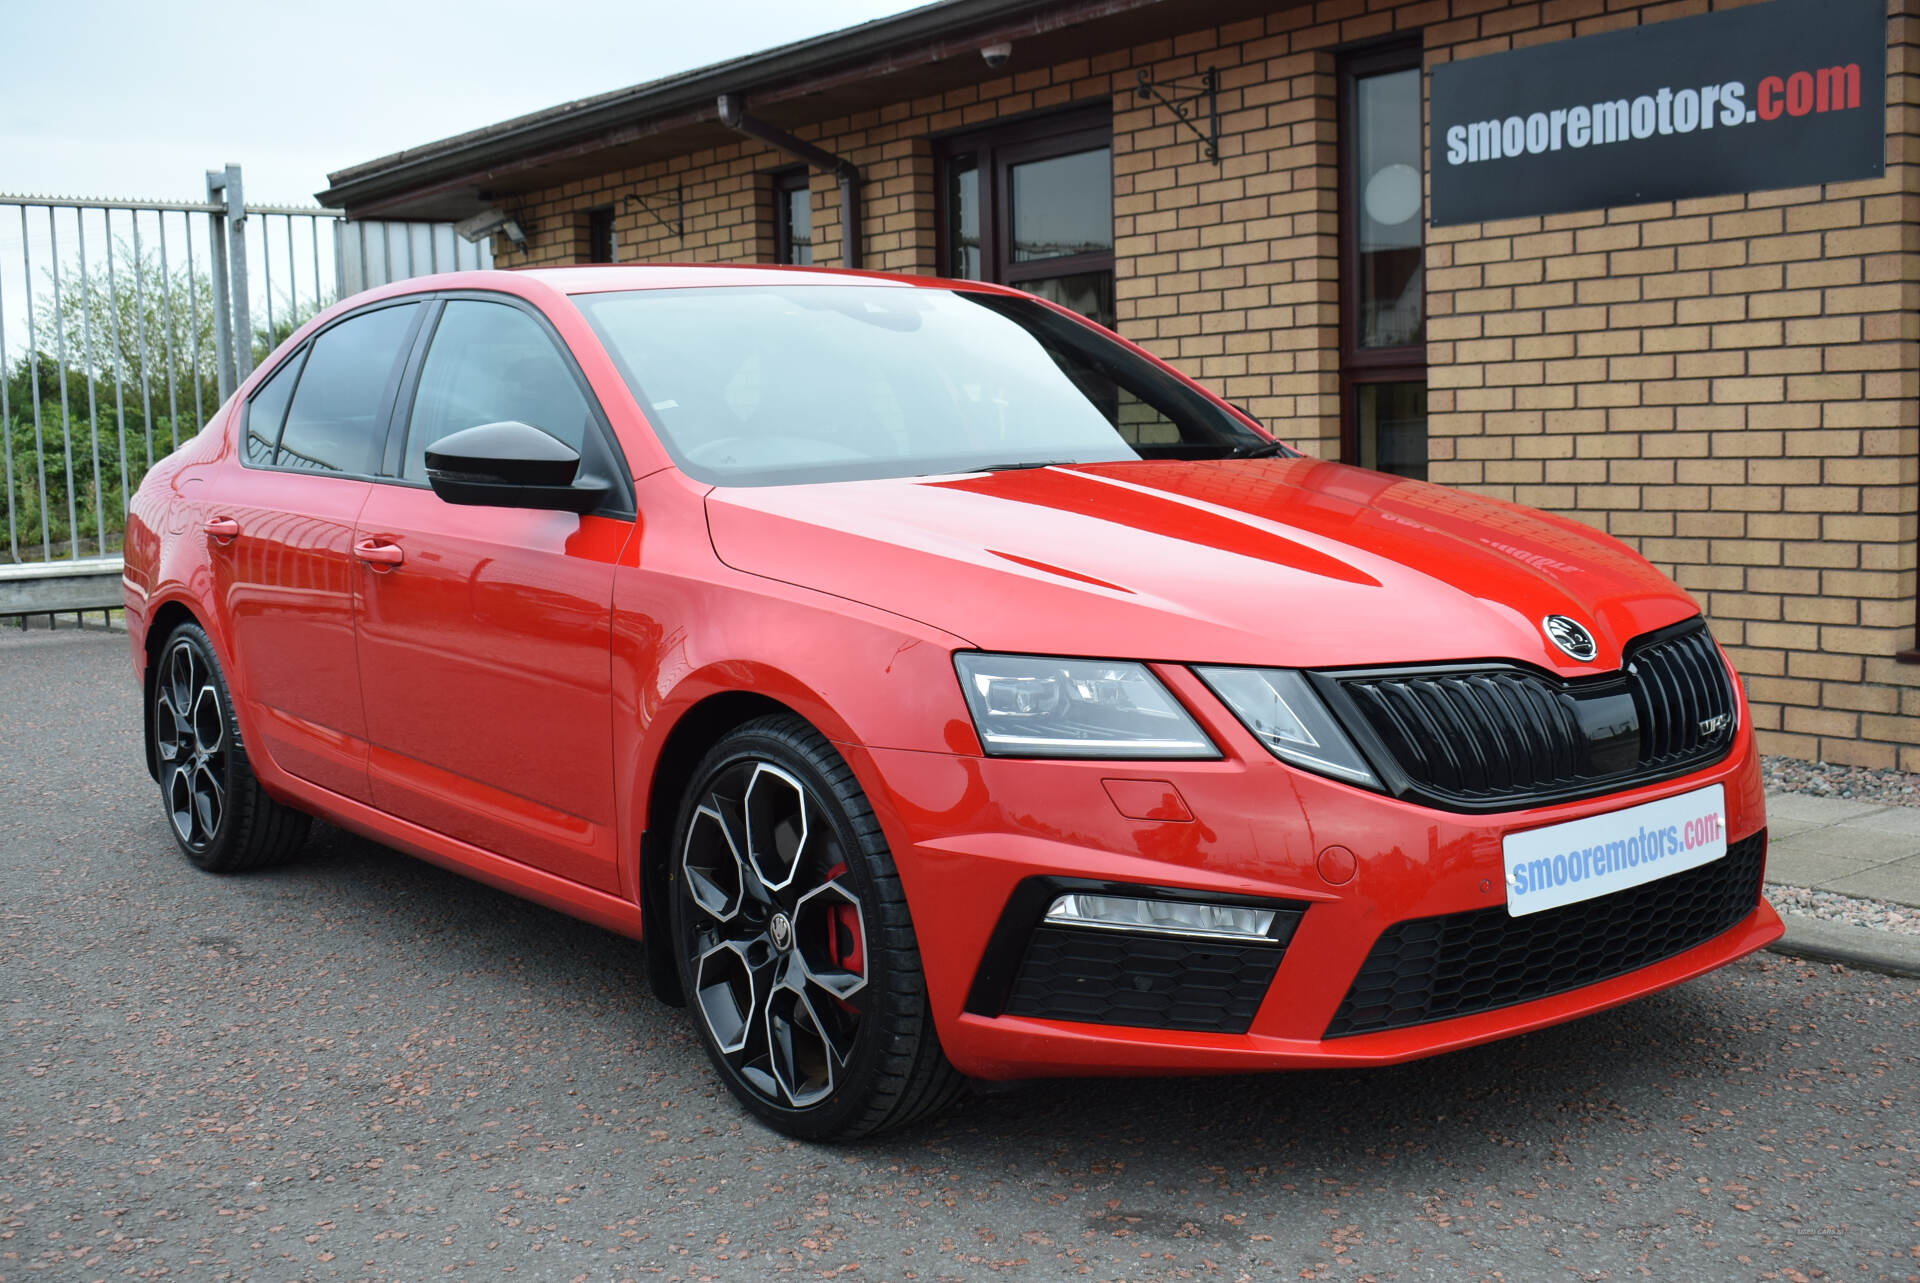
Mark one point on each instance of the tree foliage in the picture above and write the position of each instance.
(134, 353)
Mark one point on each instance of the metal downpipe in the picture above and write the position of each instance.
(733, 114)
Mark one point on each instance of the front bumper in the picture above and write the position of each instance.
(968, 831)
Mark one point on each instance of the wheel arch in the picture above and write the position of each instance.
(166, 617)
(697, 729)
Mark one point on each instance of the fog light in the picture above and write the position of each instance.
(1165, 917)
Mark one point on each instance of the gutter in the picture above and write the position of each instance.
(733, 114)
(850, 55)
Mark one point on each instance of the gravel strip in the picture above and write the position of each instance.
(1825, 779)
(1831, 906)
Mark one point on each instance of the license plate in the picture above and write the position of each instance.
(1581, 859)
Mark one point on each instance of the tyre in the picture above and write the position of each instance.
(219, 814)
(793, 941)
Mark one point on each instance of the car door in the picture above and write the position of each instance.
(280, 528)
(485, 634)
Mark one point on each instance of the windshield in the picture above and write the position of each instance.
(776, 384)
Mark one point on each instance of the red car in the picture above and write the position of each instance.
(939, 684)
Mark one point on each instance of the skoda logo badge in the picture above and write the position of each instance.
(1570, 637)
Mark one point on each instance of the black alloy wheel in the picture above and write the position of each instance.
(220, 816)
(794, 944)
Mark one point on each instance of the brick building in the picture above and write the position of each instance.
(1731, 384)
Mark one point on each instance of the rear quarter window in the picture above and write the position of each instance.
(268, 410)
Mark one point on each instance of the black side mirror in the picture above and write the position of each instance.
(511, 465)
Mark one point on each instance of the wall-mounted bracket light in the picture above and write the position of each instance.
(678, 227)
(1187, 97)
(479, 226)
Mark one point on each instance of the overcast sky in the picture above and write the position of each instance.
(132, 98)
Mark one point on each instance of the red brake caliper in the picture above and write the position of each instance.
(845, 949)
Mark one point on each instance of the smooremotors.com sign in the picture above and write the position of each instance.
(1783, 94)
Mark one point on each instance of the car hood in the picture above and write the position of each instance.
(1289, 562)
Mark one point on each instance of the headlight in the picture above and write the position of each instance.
(1031, 706)
(1279, 706)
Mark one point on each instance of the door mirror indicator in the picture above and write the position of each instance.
(512, 465)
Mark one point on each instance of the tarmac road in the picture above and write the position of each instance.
(364, 1067)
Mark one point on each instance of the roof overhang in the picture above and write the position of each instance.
(924, 51)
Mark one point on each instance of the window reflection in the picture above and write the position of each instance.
(1063, 205)
(1392, 418)
(1030, 205)
(799, 226)
(1389, 217)
(963, 218)
(1088, 293)
(793, 216)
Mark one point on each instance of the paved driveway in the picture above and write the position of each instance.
(363, 1067)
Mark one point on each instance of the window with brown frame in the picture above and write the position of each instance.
(1030, 204)
(792, 217)
(1912, 656)
(1383, 335)
(600, 243)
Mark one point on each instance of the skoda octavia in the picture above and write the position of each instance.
(941, 686)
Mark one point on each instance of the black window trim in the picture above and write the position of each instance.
(620, 503)
(404, 383)
(384, 415)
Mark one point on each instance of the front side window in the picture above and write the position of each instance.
(769, 385)
(336, 421)
(1031, 206)
(490, 363)
(1383, 280)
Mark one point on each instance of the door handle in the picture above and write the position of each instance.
(378, 552)
(224, 529)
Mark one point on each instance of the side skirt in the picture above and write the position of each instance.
(560, 894)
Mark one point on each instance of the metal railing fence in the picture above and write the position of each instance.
(125, 324)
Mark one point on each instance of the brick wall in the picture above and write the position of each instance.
(1731, 385)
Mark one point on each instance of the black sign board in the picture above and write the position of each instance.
(1783, 94)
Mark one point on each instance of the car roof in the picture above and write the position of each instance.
(602, 278)
(593, 278)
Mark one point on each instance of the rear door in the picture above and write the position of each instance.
(486, 648)
(280, 532)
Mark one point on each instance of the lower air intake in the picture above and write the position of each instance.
(1437, 968)
(1114, 978)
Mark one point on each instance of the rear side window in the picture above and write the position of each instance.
(490, 363)
(334, 424)
(268, 410)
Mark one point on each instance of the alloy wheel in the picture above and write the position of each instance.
(776, 934)
(190, 739)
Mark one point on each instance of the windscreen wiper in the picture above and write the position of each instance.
(1023, 464)
(1265, 450)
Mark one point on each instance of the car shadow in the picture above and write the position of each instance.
(1640, 1069)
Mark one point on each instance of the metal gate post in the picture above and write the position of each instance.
(217, 266)
(237, 275)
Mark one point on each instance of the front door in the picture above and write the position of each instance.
(485, 638)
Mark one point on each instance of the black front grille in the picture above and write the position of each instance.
(1497, 735)
(1454, 965)
(1148, 982)
(1680, 685)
